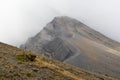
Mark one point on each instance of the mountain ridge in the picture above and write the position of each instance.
(68, 40)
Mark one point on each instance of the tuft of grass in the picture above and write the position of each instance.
(26, 57)
(20, 62)
(30, 75)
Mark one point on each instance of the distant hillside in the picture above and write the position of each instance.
(17, 64)
(71, 41)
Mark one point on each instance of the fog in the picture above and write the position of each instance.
(21, 19)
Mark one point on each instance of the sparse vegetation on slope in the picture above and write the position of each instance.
(17, 64)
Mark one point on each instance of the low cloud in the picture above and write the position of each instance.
(21, 19)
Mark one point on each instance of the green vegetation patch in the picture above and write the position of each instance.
(30, 75)
(26, 57)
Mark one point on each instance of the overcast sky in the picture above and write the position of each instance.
(21, 19)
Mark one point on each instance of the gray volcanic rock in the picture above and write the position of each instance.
(73, 42)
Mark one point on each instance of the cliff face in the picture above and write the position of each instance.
(73, 42)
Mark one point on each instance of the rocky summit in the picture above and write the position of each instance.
(70, 41)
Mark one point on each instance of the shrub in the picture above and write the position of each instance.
(26, 57)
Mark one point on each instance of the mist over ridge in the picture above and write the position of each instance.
(22, 19)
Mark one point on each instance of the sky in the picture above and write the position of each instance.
(21, 19)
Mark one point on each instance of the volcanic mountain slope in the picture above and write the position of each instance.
(73, 42)
(17, 64)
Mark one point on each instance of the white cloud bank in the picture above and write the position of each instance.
(20, 19)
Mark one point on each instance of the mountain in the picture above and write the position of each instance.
(70, 41)
(18, 64)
